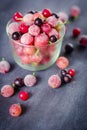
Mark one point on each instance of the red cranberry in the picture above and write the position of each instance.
(76, 32)
(46, 13)
(23, 95)
(71, 72)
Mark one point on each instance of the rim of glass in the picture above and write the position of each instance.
(10, 21)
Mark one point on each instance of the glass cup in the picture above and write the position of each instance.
(36, 58)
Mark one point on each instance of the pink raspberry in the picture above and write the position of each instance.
(46, 28)
(52, 20)
(54, 81)
(13, 27)
(75, 11)
(28, 19)
(63, 16)
(34, 30)
(27, 39)
(4, 66)
(7, 91)
(53, 32)
(15, 110)
(30, 80)
(41, 40)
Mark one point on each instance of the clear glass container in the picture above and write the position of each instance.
(35, 58)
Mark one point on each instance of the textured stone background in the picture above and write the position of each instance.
(47, 109)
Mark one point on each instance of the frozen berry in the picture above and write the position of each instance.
(23, 95)
(45, 60)
(38, 22)
(63, 16)
(46, 13)
(62, 62)
(30, 80)
(83, 40)
(63, 72)
(69, 48)
(34, 30)
(29, 50)
(18, 82)
(26, 59)
(38, 15)
(27, 39)
(52, 20)
(17, 16)
(15, 110)
(75, 11)
(16, 36)
(23, 28)
(76, 32)
(54, 81)
(28, 19)
(36, 58)
(71, 72)
(13, 27)
(4, 66)
(46, 28)
(53, 32)
(66, 78)
(53, 38)
(7, 91)
(41, 40)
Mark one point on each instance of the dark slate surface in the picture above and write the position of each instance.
(47, 109)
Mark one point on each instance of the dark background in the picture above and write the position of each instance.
(47, 109)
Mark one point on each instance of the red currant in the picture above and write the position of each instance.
(71, 72)
(46, 13)
(76, 32)
(23, 95)
(17, 16)
(23, 28)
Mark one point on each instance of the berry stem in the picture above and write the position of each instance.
(19, 18)
(13, 85)
(3, 58)
(37, 51)
(34, 74)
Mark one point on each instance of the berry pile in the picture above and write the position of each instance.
(39, 29)
(9, 90)
(36, 32)
(67, 75)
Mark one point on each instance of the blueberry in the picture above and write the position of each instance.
(31, 12)
(53, 38)
(66, 78)
(38, 22)
(18, 82)
(69, 48)
(16, 36)
(71, 18)
(53, 14)
(63, 72)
